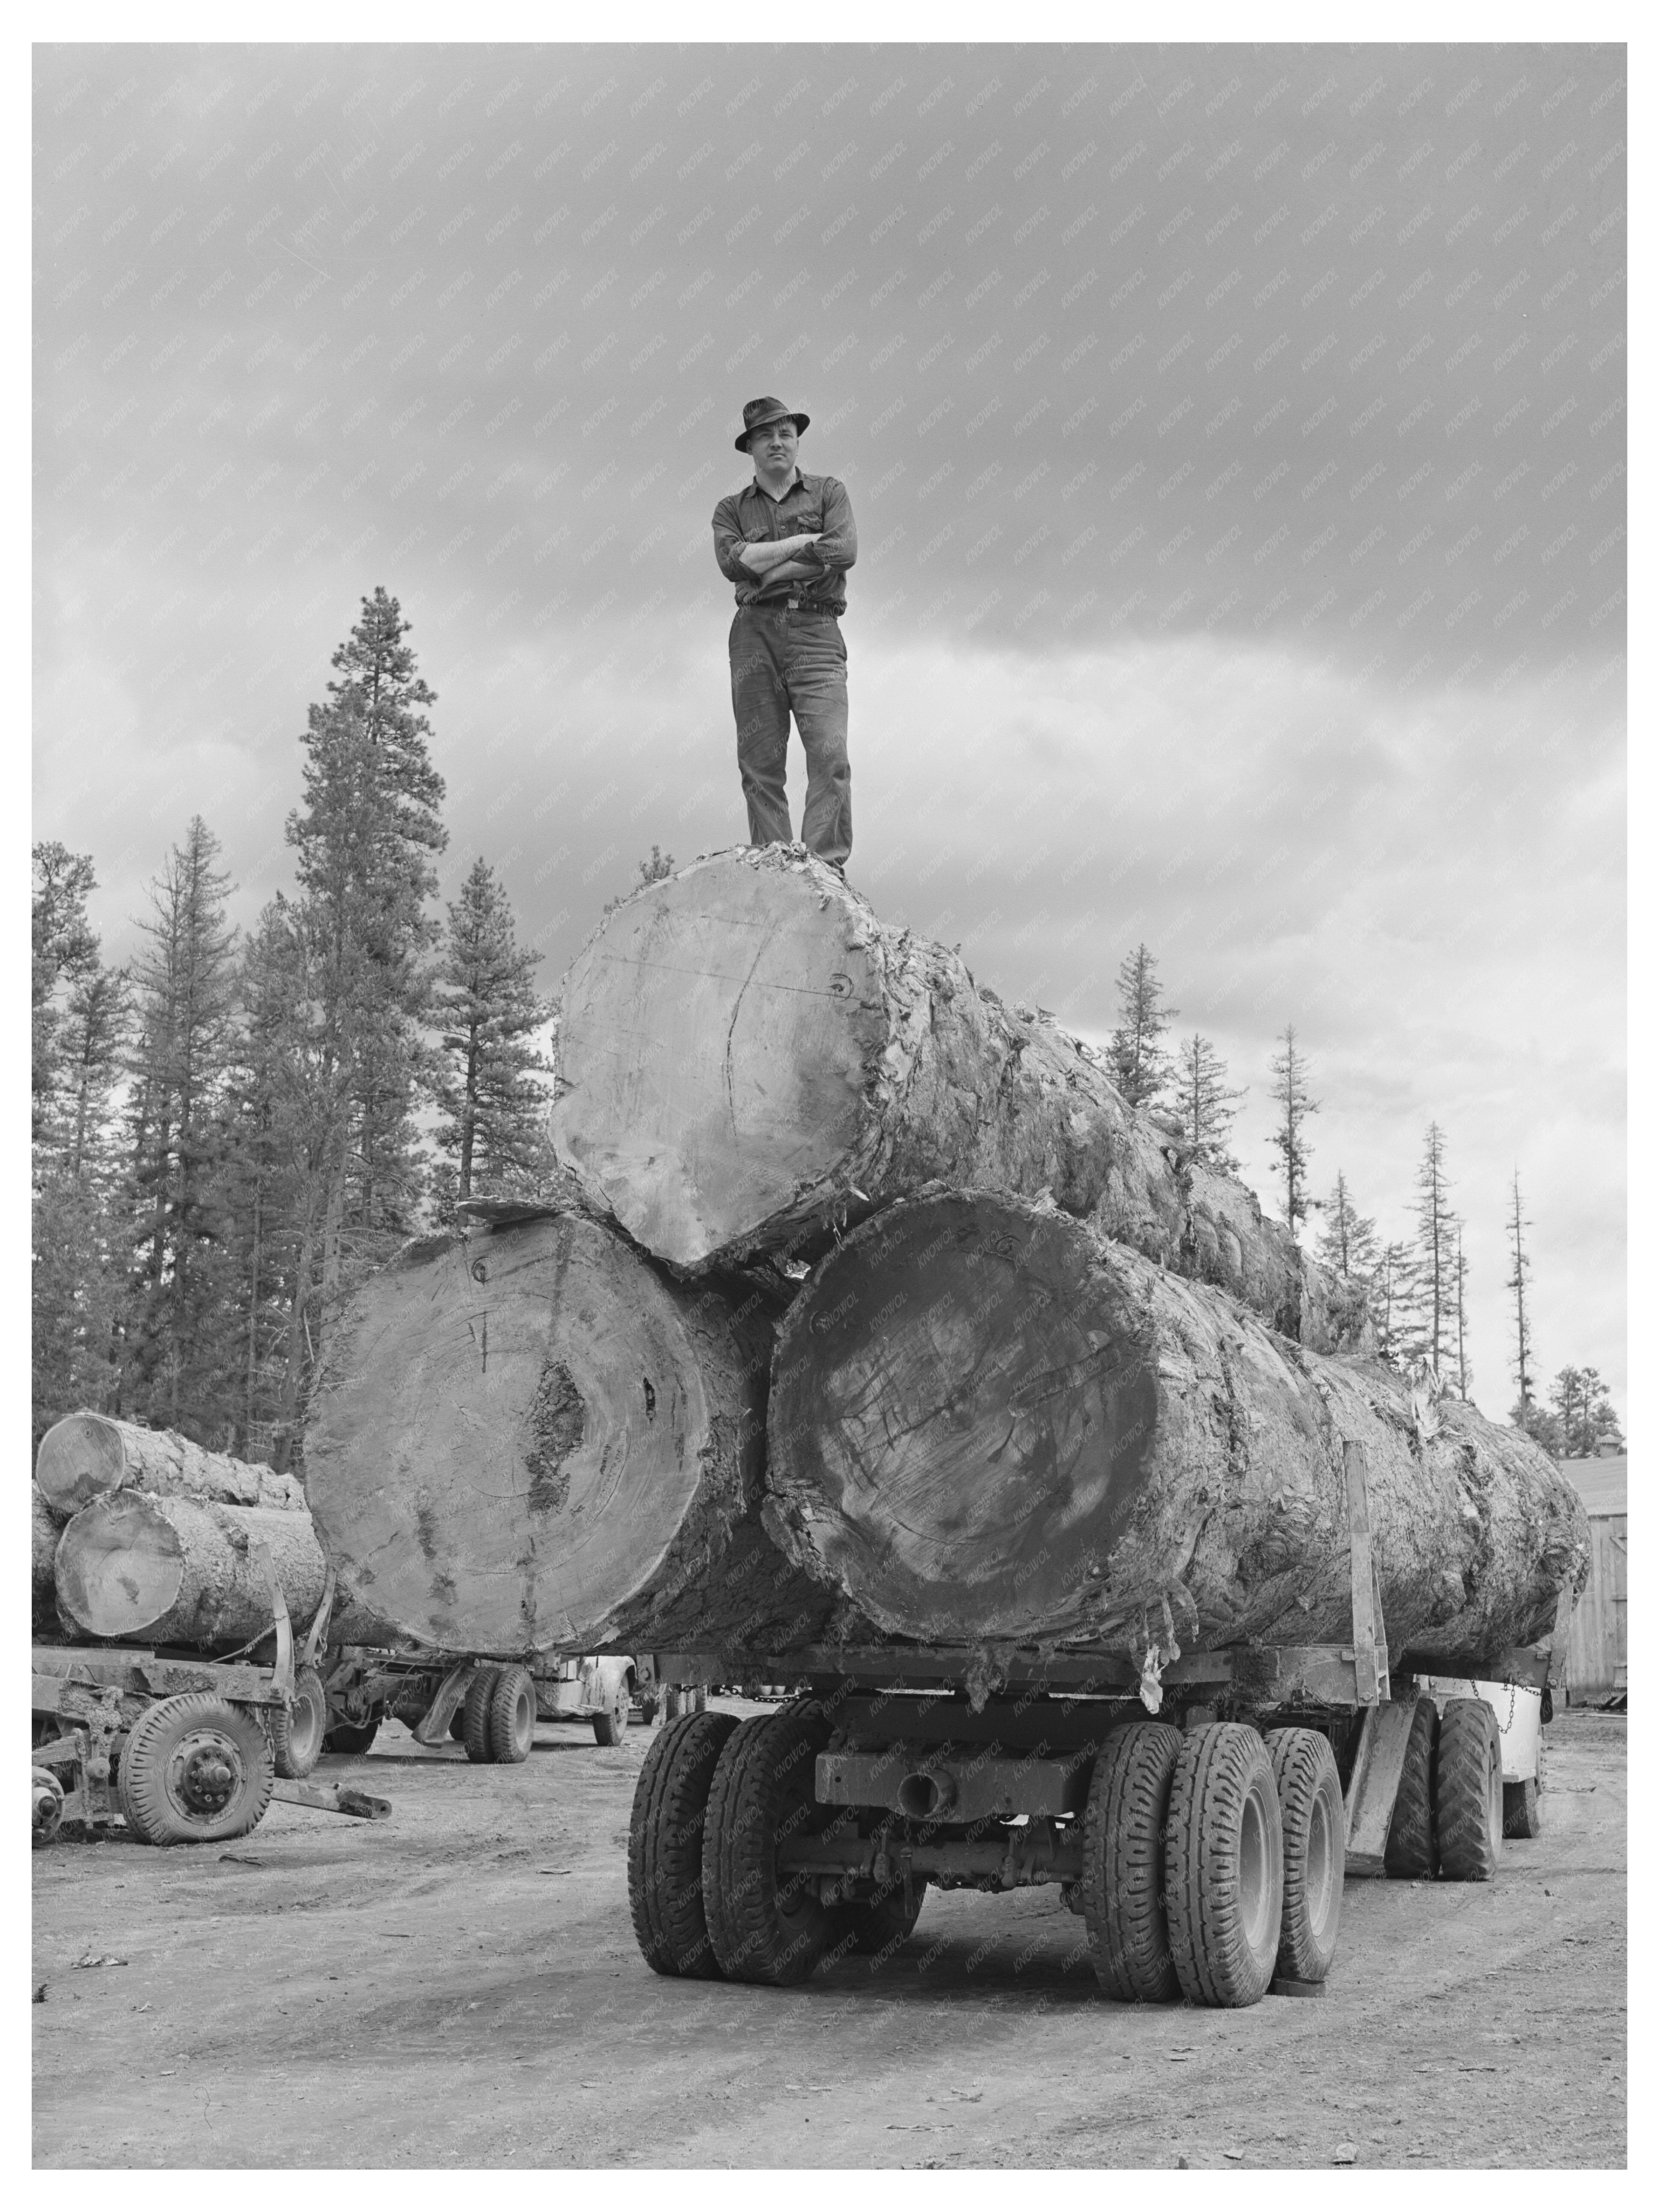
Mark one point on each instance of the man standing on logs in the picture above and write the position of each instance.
(787, 541)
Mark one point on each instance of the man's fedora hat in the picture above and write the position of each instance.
(761, 414)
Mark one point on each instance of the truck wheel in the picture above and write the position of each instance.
(1123, 1832)
(872, 1927)
(475, 1716)
(765, 1926)
(1409, 1854)
(664, 1846)
(458, 1723)
(1223, 1866)
(297, 1736)
(1521, 1816)
(1315, 1828)
(46, 1806)
(195, 1770)
(1468, 1791)
(350, 1738)
(511, 1720)
(612, 1727)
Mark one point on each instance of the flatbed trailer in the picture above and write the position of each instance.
(178, 1746)
(1201, 1812)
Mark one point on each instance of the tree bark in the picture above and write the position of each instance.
(530, 1438)
(750, 1061)
(991, 1421)
(88, 1455)
(178, 1570)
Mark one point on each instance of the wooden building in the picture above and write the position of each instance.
(1598, 1651)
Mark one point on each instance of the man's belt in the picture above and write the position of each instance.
(794, 606)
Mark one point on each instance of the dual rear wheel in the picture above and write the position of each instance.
(1212, 1860)
(716, 1795)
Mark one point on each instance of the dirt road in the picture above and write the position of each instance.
(459, 1986)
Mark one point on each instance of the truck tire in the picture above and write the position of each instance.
(297, 1736)
(351, 1738)
(611, 1726)
(1409, 1854)
(764, 1926)
(1522, 1818)
(475, 1716)
(664, 1846)
(1315, 1828)
(195, 1770)
(1468, 1791)
(1123, 1851)
(1223, 1866)
(458, 1723)
(510, 1721)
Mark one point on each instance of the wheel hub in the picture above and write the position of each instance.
(205, 1772)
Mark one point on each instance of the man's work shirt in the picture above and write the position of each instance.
(753, 517)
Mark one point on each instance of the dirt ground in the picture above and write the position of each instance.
(459, 1986)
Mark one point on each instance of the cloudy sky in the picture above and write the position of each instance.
(1237, 440)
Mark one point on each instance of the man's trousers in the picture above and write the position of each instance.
(783, 662)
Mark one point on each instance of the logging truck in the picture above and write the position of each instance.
(870, 1339)
(1200, 1820)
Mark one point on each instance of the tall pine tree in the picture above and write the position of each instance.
(494, 1111)
(1204, 1103)
(176, 1347)
(1525, 1405)
(365, 839)
(1294, 1104)
(1137, 1062)
(1347, 1238)
(1433, 1324)
(79, 1013)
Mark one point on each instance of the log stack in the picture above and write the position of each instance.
(870, 1310)
(142, 1536)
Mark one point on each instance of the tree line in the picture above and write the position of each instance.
(1418, 1283)
(229, 1131)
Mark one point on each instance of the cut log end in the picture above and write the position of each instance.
(719, 1036)
(511, 1434)
(81, 1457)
(959, 1426)
(120, 1566)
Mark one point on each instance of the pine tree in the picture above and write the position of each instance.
(1347, 1238)
(1432, 1327)
(494, 1110)
(365, 839)
(1137, 1064)
(1520, 1269)
(1391, 1291)
(64, 954)
(78, 1009)
(1289, 1141)
(1204, 1103)
(176, 1349)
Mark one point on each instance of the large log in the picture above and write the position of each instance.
(990, 1421)
(530, 1438)
(180, 1570)
(748, 1060)
(88, 1455)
